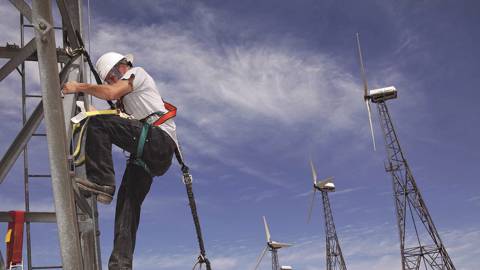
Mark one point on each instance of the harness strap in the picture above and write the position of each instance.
(101, 112)
(172, 112)
(137, 158)
(202, 258)
(14, 238)
(85, 114)
(163, 117)
(178, 155)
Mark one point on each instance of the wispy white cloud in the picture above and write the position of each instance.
(226, 92)
(364, 247)
(258, 196)
(169, 261)
(474, 199)
(347, 191)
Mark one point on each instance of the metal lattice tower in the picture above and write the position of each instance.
(76, 216)
(335, 259)
(334, 256)
(420, 243)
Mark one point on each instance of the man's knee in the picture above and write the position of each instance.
(100, 119)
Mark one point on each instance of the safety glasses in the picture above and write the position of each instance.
(113, 75)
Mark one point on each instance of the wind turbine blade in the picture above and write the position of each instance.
(329, 179)
(278, 245)
(267, 230)
(311, 205)
(362, 67)
(367, 103)
(314, 172)
(259, 260)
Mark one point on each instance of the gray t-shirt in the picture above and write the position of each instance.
(145, 99)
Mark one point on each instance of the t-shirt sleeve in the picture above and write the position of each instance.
(136, 76)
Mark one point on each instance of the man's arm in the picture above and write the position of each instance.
(102, 91)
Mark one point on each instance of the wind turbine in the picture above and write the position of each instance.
(425, 250)
(273, 247)
(334, 254)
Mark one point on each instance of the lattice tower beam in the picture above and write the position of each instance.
(275, 263)
(334, 254)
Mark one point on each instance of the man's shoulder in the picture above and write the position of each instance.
(137, 70)
(138, 73)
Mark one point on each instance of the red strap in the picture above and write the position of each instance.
(172, 112)
(15, 245)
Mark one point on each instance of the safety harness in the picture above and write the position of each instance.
(14, 240)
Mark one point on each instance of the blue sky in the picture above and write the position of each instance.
(263, 85)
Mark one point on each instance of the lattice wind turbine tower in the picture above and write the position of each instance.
(334, 256)
(420, 243)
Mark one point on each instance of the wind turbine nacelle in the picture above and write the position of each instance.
(278, 245)
(329, 186)
(286, 267)
(382, 94)
(326, 185)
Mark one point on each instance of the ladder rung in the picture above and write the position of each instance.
(40, 175)
(47, 267)
(39, 134)
(55, 27)
(33, 96)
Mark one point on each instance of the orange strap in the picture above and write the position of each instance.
(172, 112)
(15, 239)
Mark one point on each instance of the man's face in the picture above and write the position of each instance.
(116, 73)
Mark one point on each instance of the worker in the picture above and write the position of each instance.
(139, 97)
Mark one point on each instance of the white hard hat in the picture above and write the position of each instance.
(108, 60)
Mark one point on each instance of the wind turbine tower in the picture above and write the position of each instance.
(335, 259)
(273, 247)
(420, 243)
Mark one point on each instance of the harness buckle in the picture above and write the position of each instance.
(187, 178)
(152, 118)
(16, 266)
(74, 52)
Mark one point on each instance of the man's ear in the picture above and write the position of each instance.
(123, 68)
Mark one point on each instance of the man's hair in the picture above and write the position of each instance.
(125, 62)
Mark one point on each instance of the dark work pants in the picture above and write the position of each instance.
(102, 132)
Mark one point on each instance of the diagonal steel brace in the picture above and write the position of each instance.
(24, 8)
(13, 63)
